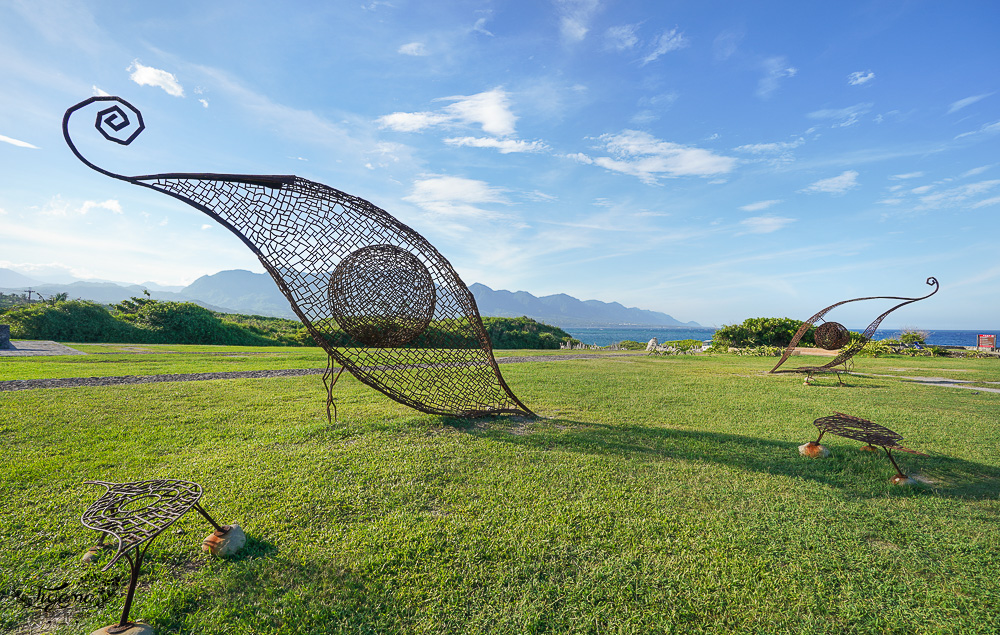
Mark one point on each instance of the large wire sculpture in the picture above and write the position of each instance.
(833, 335)
(134, 514)
(376, 295)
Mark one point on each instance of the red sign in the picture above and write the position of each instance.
(987, 341)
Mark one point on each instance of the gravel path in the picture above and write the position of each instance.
(76, 382)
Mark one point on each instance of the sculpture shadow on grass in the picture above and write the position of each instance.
(943, 475)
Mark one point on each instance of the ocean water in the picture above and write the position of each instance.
(602, 336)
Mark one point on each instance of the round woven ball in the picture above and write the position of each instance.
(382, 296)
(832, 336)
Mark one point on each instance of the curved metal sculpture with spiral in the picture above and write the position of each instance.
(408, 326)
(833, 335)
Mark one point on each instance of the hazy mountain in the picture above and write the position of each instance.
(239, 291)
(107, 293)
(563, 310)
(10, 278)
(242, 291)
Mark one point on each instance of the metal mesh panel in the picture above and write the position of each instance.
(379, 298)
(135, 513)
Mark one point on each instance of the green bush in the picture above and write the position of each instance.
(147, 321)
(761, 332)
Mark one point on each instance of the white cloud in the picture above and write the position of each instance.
(575, 17)
(206, 227)
(765, 224)
(968, 101)
(989, 128)
(834, 185)
(97, 92)
(958, 195)
(17, 142)
(412, 121)
(983, 203)
(480, 27)
(775, 69)
(975, 171)
(490, 110)
(908, 175)
(923, 189)
(149, 76)
(648, 158)
(110, 205)
(2, 211)
(505, 146)
(858, 78)
(456, 196)
(760, 206)
(203, 102)
(56, 206)
(417, 49)
(843, 116)
(622, 37)
(769, 148)
(664, 43)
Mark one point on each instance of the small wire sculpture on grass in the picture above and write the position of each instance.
(833, 335)
(872, 434)
(134, 514)
(376, 295)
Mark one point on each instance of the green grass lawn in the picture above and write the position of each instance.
(654, 494)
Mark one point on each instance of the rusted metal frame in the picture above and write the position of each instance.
(201, 190)
(855, 347)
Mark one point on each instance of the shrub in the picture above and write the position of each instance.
(762, 332)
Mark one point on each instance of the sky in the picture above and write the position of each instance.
(711, 160)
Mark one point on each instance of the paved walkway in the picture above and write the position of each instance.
(26, 348)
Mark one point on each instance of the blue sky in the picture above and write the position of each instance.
(712, 160)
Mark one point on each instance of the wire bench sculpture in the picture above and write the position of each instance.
(134, 514)
(371, 291)
(871, 434)
(833, 336)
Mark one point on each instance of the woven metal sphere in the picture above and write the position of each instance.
(832, 336)
(382, 296)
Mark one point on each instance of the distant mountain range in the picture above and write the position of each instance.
(239, 291)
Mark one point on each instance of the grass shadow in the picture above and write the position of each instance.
(942, 475)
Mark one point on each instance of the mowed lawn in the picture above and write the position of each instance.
(653, 495)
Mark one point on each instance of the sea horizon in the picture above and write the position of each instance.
(606, 335)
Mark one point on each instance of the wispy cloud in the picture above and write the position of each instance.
(958, 195)
(456, 196)
(858, 78)
(575, 18)
(17, 142)
(842, 117)
(989, 128)
(775, 69)
(834, 185)
(149, 76)
(664, 43)
(908, 175)
(648, 158)
(760, 206)
(622, 38)
(986, 202)
(968, 101)
(505, 146)
(416, 49)
(490, 110)
(765, 224)
(770, 148)
(57, 206)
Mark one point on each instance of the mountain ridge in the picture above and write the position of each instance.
(245, 292)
